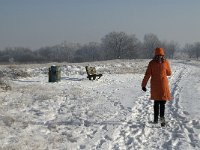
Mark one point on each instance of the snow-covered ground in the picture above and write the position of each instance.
(111, 113)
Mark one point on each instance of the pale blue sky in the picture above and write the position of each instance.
(38, 23)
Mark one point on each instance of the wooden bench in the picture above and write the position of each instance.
(91, 73)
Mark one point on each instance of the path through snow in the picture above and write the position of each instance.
(178, 134)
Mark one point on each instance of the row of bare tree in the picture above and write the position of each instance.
(115, 45)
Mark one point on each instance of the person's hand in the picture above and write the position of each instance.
(144, 89)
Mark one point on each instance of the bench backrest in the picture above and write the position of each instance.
(90, 70)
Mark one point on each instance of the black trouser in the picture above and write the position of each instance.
(159, 105)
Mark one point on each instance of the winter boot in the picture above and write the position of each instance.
(162, 121)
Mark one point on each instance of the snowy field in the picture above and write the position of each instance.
(111, 113)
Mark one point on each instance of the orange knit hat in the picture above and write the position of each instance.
(159, 51)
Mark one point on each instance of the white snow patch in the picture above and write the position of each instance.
(110, 113)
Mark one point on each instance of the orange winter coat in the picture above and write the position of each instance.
(159, 82)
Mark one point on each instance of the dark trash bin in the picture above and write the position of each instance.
(54, 74)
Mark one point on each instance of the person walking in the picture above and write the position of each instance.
(158, 69)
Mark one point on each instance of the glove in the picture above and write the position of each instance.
(144, 89)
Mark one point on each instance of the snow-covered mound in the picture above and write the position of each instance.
(110, 113)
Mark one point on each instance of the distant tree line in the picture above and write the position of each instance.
(114, 45)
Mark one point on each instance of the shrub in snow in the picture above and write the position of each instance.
(4, 85)
(15, 73)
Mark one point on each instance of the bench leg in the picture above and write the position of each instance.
(94, 76)
(99, 76)
(90, 77)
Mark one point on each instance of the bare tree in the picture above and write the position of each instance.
(70, 50)
(114, 45)
(88, 52)
(18, 54)
(170, 48)
(118, 45)
(189, 50)
(135, 48)
(151, 41)
(197, 49)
